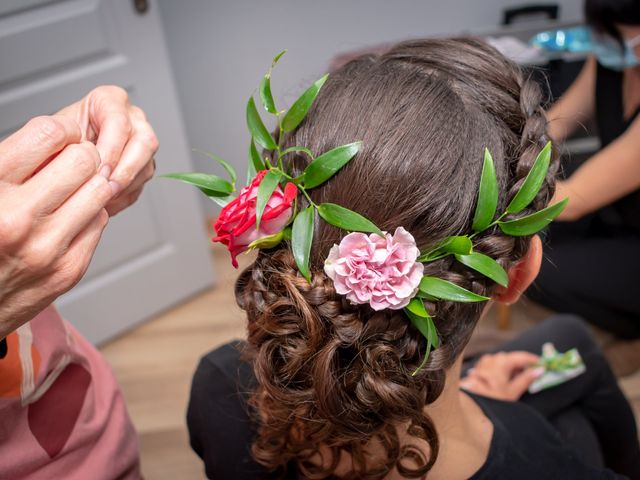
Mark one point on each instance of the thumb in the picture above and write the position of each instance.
(519, 384)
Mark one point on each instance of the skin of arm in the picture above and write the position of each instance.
(607, 176)
(576, 106)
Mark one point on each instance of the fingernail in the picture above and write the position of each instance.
(536, 372)
(105, 171)
(115, 187)
(470, 371)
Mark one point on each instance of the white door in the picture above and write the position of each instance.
(51, 53)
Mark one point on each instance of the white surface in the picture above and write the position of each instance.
(154, 254)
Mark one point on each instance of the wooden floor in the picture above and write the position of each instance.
(154, 364)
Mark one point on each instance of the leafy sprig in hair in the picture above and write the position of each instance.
(300, 229)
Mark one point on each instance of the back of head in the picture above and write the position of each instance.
(334, 374)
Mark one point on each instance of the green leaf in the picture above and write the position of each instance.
(451, 245)
(301, 238)
(269, 241)
(277, 57)
(265, 190)
(416, 306)
(222, 201)
(533, 223)
(487, 195)
(301, 106)
(265, 87)
(258, 131)
(425, 325)
(265, 94)
(226, 165)
(446, 290)
(424, 360)
(485, 265)
(210, 185)
(326, 165)
(255, 162)
(533, 182)
(428, 329)
(346, 219)
(304, 150)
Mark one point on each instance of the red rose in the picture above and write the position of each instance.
(236, 225)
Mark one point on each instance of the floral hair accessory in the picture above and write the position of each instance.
(382, 270)
(236, 225)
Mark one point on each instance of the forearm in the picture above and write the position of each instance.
(606, 177)
(576, 106)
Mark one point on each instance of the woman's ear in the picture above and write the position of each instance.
(522, 274)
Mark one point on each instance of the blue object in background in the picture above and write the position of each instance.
(574, 39)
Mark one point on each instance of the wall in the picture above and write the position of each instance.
(220, 50)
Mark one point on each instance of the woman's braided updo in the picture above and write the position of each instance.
(333, 377)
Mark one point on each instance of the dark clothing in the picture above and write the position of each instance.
(590, 265)
(590, 411)
(611, 124)
(524, 445)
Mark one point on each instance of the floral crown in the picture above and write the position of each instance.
(369, 266)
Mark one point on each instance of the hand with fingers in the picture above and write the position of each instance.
(52, 214)
(124, 139)
(503, 375)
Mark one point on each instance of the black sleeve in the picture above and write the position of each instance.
(220, 429)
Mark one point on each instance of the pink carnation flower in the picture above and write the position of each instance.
(380, 271)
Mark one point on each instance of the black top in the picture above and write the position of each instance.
(524, 445)
(624, 213)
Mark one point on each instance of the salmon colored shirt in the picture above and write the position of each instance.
(61, 412)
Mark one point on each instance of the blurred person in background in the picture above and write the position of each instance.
(592, 263)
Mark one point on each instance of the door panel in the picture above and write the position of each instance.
(154, 254)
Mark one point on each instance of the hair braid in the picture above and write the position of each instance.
(336, 378)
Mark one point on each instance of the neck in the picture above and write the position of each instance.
(463, 430)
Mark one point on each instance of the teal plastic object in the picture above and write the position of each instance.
(574, 39)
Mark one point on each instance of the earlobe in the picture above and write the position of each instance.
(522, 274)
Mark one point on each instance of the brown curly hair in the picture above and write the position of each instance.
(331, 376)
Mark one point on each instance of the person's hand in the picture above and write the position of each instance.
(125, 140)
(504, 375)
(51, 215)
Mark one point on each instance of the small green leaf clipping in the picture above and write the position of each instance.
(210, 185)
(446, 290)
(265, 190)
(301, 106)
(532, 223)
(533, 182)
(269, 241)
(226, 165)
(456, 244)
(346, 219)
(301, 238)
(485, 265)
(265, 87)
(266, 95)
(421, 319)
(487, 195)
(258, 131)
(327, 164)
(255, 162)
